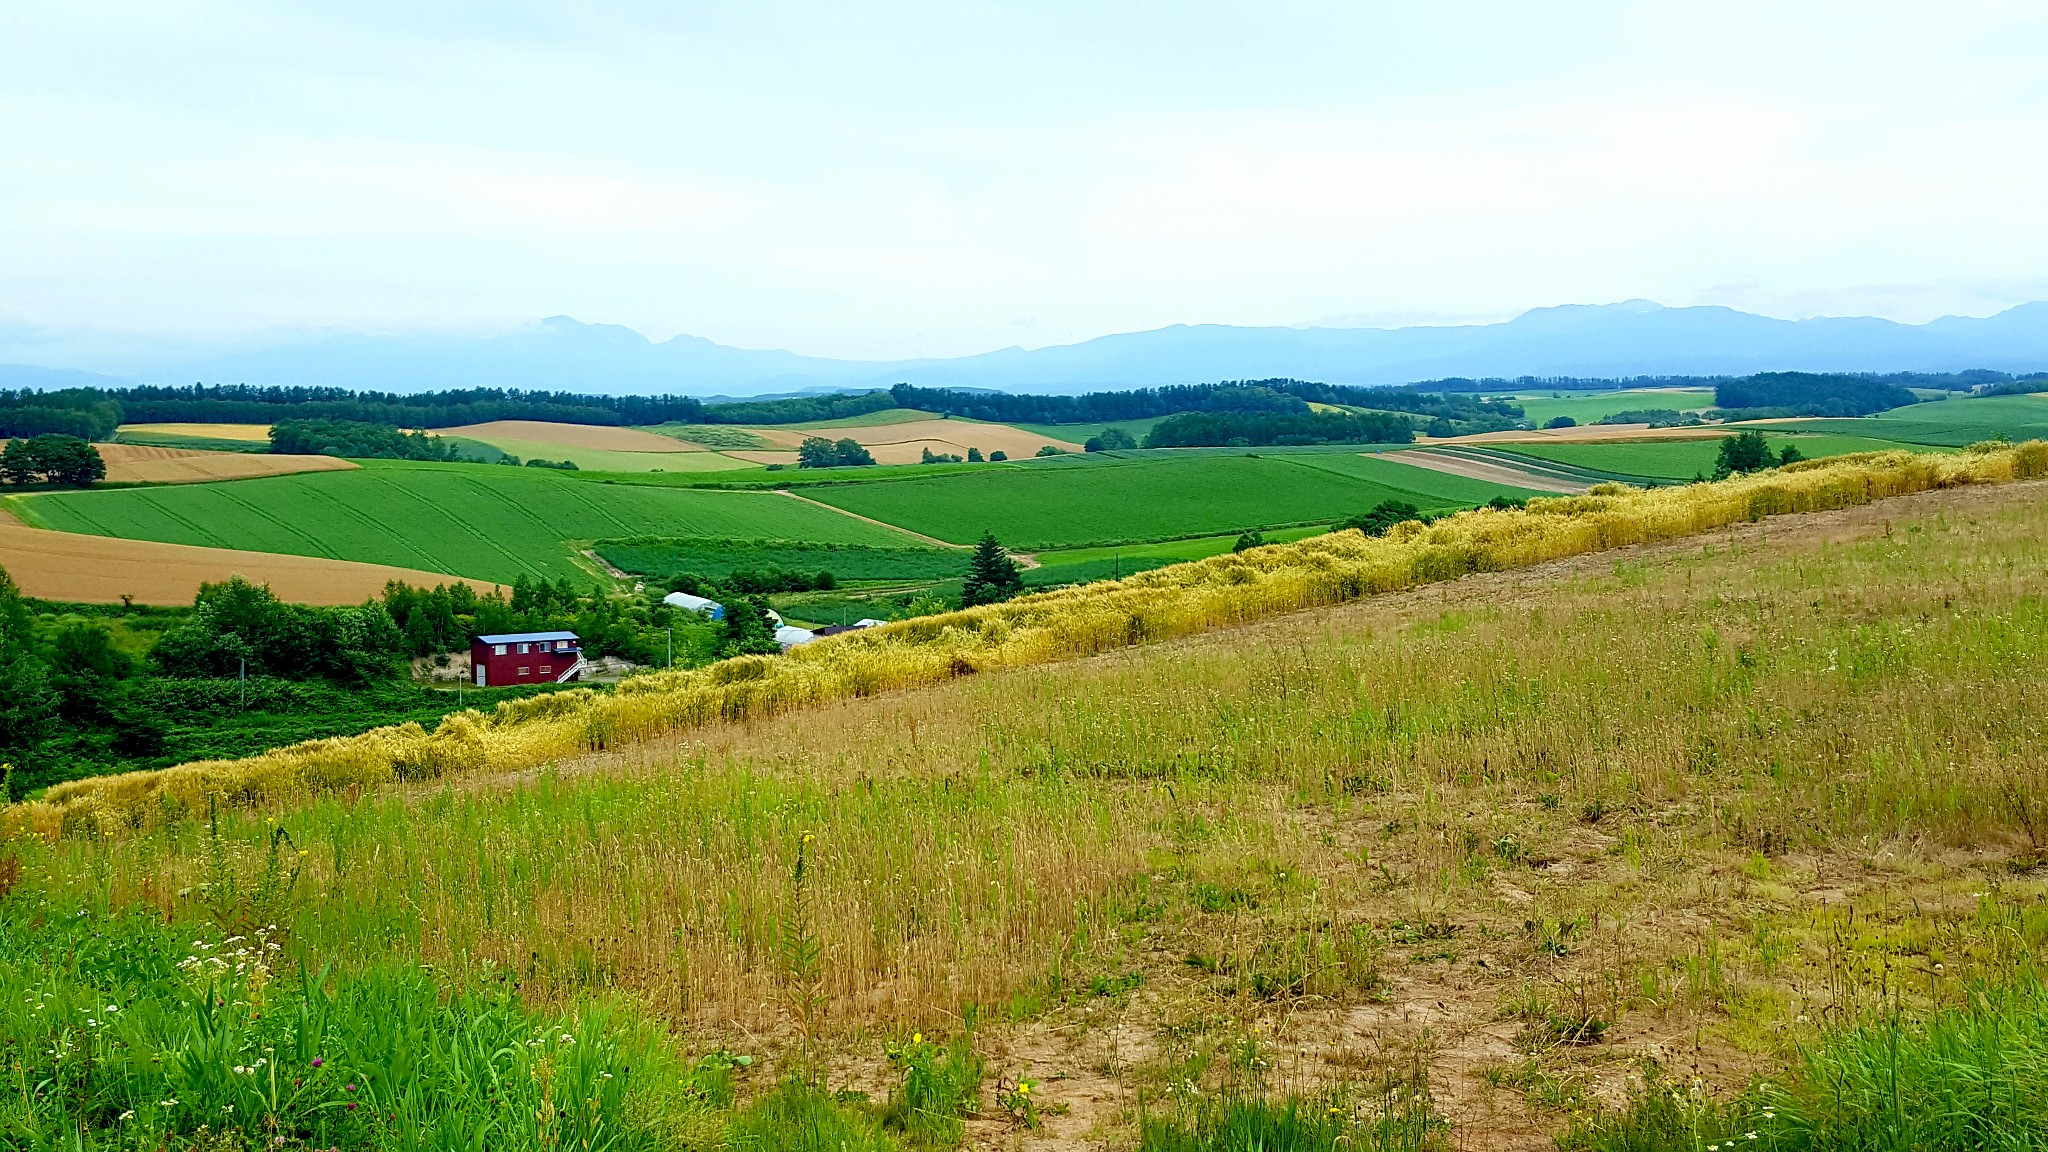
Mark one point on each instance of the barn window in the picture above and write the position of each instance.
(547, 669)
(526, 669)
(498, 649)
(525, 648)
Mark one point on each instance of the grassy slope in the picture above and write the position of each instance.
(1101, 502)
(1702, 798)
(1949, 423)
(1586, 407)
(1684, 459)
(484, 521)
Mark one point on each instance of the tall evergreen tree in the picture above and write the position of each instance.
(991, 575)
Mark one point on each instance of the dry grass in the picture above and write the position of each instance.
(1088, 619)
(75, 567)
(135, 463)
(1679, 804)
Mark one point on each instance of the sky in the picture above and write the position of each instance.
(894, 179)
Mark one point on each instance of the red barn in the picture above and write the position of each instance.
(526, 658)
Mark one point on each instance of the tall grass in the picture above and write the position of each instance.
(121, 1032)
(1969, 1078)
(994, 840)
(1174, 601)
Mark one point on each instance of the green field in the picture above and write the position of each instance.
(710, 435)
(1587, 407)
(1157, 497)
(1948, 423)
(663, 558)
(485, 521)
(195, 443)
(1079, 433)
(1683, 459)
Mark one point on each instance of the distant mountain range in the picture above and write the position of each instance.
(1635, 338)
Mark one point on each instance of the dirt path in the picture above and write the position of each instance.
(932, 540)
(1501, 473)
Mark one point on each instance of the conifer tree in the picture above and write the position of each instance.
(991, 575)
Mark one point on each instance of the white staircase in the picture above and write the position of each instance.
(570, 671)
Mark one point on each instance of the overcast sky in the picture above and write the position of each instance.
(890, 179)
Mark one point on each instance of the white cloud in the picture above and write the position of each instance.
(908, 178)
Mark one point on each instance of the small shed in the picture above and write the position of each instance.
(526, 658)
(710, 609)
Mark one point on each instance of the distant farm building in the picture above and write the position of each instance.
(698, 604)
(526, 658)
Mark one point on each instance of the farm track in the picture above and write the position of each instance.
(932, 540)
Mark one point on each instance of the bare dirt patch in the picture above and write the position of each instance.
(593, 436)
(1483, 470)
(102, 569)
(906, 443)
(137, 464)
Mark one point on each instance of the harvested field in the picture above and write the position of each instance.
(905, 443)
(137, 464)
(101, 569)
(1502, 472)
(256, 432)
(601, 438)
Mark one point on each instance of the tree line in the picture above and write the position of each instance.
(1278, 396)
(356, 439)
(1237, 429)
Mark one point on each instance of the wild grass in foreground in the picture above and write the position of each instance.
(1971, 1077)
(1688, 813)
(1174, 601)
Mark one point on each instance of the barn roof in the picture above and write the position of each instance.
(527, 637)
